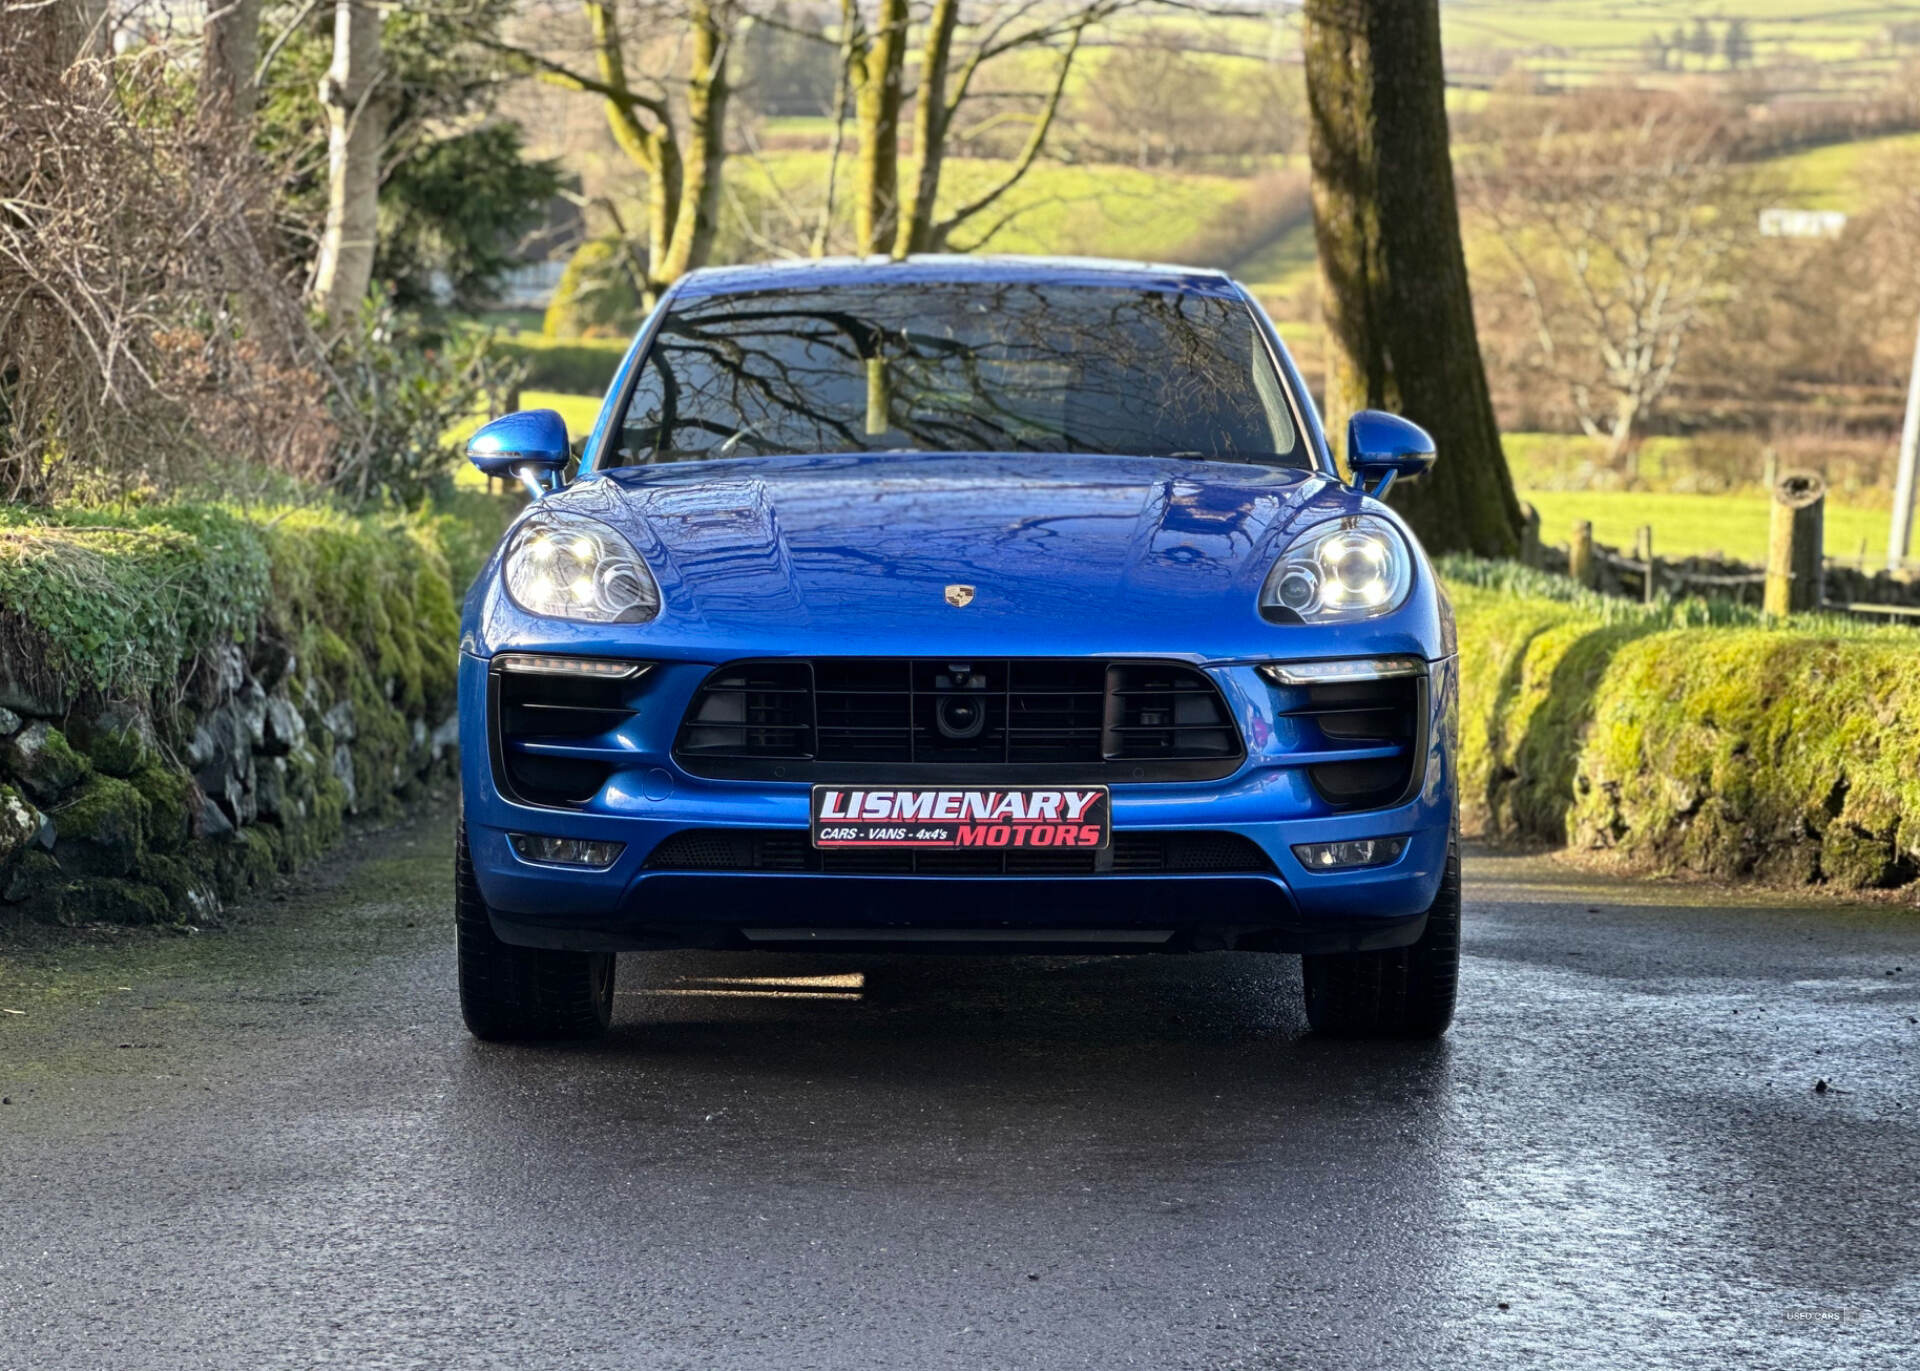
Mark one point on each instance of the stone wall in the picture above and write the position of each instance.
(158, 802)
(1733, 750)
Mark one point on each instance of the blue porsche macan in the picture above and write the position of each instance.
(957, 604)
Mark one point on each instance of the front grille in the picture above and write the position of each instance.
(1138, 853)
(1379, 723)
(853, 719)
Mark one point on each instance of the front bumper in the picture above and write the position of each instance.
(631, 906)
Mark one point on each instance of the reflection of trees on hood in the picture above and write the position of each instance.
(1007, 367)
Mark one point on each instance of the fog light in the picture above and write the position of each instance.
(532, 847)
(1348, 855)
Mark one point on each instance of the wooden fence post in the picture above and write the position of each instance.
(1529, 534)
(1795, 548)
(1580, 562)
(1643, 553)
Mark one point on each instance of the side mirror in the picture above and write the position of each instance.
(1381, 446)
(530, 445)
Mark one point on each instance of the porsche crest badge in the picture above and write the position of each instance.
(959, 596)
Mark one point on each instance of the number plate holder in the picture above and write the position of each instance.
(989, 818)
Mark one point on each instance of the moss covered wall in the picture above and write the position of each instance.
(193, 699)
(1738, 749)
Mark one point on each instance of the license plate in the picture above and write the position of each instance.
(990, 818)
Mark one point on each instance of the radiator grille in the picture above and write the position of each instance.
(833, 718)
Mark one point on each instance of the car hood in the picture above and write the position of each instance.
(1062, 553)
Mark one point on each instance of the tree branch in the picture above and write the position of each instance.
(1036, 139)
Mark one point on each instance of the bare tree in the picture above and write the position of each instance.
(1153, 101)
(958, 44)
(1620, 220)
(945, 89)
(1147, 103)
(682, 150)
(842, 92)
(356, 129)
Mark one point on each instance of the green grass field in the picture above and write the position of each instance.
(1580, 41)
(1691, 525)
(1845, 176)
(1094, 211)
(1283, 266)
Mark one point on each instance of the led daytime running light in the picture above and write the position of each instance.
(530, 665)
(1342, 669)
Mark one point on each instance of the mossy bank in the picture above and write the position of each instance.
(1734, 748)
(193, 698)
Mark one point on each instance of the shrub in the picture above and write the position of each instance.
(401, 389)
(118, 602)
(366, 602)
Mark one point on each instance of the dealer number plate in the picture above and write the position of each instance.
(985, 817)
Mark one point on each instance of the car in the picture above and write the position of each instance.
(957, 604)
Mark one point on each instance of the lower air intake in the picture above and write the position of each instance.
(1149, 853)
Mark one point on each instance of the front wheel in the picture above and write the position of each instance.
(522, 994)
(1402, 992)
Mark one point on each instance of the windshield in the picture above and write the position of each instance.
(959, 367)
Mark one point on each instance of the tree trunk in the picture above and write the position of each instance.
(227, 61)
(704, 161)
(929, 130)
(1623, 435)
(650, 147)
(1399, 318)
(356, 124)
(877, 199)
(60, 33)
(663, 211)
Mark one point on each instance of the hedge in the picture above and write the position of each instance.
(1687, 736)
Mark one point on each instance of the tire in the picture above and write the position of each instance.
(1403, 992)
(522, 994)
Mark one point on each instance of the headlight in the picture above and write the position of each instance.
(1345, 569)
(568, 567)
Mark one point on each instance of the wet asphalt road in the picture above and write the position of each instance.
(273, 1147)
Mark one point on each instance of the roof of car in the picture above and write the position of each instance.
(931, 268)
